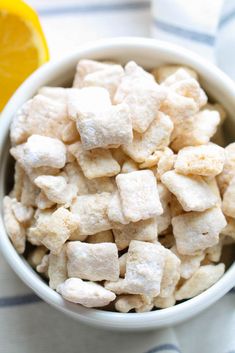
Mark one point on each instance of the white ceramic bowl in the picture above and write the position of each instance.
(148, 53)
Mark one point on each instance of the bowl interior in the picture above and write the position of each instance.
(148, 54)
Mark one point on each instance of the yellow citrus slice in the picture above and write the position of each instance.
(23, 47)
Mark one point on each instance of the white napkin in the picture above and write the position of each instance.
(27, 324)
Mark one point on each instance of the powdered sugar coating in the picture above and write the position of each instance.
(41, 151)
(196, 231)
(91, 213)
(139, 195)
(192, 192)
(95, 163)
(144, 268)
(89, 294)
(94, 262)
(156, 137)
(105, 128)
(145, 230)
(40, 115)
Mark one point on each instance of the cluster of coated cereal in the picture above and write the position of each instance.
(119, 195)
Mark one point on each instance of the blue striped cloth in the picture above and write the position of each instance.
(27, 324)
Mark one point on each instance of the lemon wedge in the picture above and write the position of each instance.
(23, 47)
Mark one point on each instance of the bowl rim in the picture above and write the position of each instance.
(106, 319)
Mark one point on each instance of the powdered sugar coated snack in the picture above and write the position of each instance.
(120, 197)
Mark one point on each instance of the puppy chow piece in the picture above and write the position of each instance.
(188, 263)
(40, 151)
(205, 160)
(134, 77)
(144, 268)
(57, 268)
(85, 67)
(179, 108)
(94, 262)
(87, 100)
(156, 137)
(95, 163)
(53, 230)
(109, 78)
(189, 88)
(144, 103)
(143, 230)
(196, 231)
(22, 213)
(40, 115)
(139, 195)
(201, 280)
(15, 230)
(89, 294)
(85, 186)
(91, 213)
(192, 192)
(143, 96)
(56, 189)
(105, 128)
(198, 129)
(95, 73)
